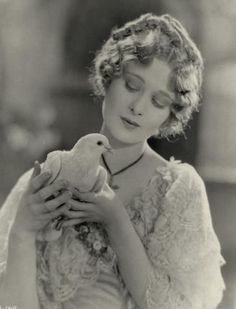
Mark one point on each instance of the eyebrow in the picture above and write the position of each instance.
(140, 78)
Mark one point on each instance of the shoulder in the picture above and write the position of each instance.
(183, 175)
(173, 178)
(186, 196)
(176, 172)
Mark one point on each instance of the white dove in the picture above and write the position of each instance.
(80, 166)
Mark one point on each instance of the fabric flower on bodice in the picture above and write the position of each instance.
(95, 239)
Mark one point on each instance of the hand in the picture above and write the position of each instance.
(40, 203)
(103, 206)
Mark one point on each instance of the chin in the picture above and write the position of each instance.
(119, 135)
(127, 138)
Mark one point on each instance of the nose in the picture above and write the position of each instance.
(137, 106)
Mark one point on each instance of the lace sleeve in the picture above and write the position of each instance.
(184, 250)
(7, 216)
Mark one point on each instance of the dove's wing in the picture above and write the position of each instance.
(54, 164)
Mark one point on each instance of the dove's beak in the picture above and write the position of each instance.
(109, 149)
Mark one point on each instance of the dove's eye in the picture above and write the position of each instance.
(99, 143)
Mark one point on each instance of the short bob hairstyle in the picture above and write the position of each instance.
(143, 39)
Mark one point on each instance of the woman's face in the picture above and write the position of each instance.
(138, 102)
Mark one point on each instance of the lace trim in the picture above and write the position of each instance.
(66, 264)
(161, 293)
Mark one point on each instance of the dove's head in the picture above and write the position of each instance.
(94, 143)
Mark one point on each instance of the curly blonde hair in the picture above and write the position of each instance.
(143, 39)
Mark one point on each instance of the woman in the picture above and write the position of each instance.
(152, 244)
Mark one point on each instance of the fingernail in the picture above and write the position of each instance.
(59, 219)
(59, 224)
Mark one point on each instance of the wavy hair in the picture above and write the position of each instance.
(142, 40)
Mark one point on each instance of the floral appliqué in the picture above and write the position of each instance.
(95, 239)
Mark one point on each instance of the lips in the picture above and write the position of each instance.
(129, 121)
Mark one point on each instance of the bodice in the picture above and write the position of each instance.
(171, 216)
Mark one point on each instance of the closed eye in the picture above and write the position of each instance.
(161, 103)
(132, 86)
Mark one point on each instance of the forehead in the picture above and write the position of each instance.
(157, 74)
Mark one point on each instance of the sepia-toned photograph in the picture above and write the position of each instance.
(117, 154)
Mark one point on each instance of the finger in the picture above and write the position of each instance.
(38, 181)
(75, 192)
(58, 201)
(77, 205)
(88, 197)
(49, 206)
(54, 214)
(74, 214)
(72, 222)
(36, 170)
(50, 190)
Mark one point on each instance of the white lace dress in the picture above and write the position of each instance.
(172, 218)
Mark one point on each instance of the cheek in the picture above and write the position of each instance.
(157, 118)
(165, 116)
(112, 106)
(153, 128)
(107, 106)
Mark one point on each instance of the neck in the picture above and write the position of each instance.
(123, 154)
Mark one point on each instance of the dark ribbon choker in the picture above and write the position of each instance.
(114, 186)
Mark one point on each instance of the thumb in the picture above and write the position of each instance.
(36, 170)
